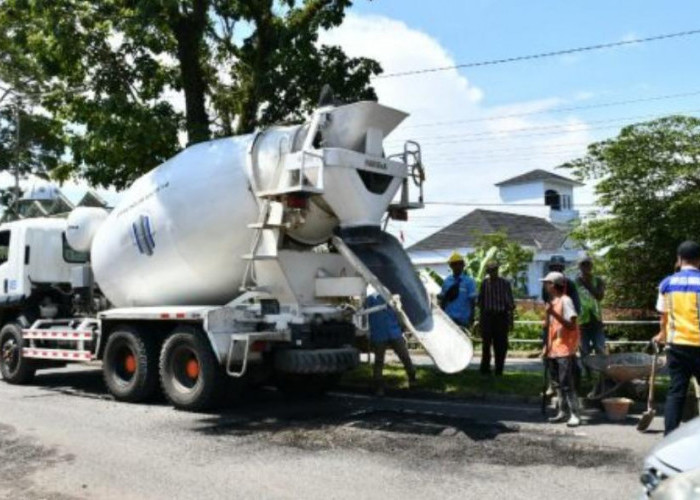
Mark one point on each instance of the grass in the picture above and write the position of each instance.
(469, 384)
(465, 384)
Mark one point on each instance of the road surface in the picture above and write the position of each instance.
(65, 438)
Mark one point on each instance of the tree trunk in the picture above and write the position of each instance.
(189, 33)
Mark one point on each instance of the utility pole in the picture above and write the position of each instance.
(18, 104)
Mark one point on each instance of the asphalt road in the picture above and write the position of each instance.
(64, 438)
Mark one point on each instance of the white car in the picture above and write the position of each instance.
(675, 454)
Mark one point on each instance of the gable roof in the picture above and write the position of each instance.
(538, 175)
(526, 230)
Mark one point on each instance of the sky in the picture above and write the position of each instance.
(478, 147)
(458, 115)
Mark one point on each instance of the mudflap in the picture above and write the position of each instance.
(381, 260)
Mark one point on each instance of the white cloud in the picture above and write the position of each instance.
(463, 160)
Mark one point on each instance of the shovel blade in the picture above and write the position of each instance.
(646, 420)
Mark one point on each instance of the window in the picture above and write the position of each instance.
(552, 199)
(4, 246)
(374, 182)
(566, 201)
(73, 256)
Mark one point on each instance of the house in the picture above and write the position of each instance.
(550, 197)
(542, 193)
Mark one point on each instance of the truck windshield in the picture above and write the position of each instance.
(73, 256)
(4, 246)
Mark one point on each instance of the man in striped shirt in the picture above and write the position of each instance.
(496, 307)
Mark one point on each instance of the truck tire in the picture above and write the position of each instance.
(15, 368)
(130, 365)
(317, 361)
(190, 374)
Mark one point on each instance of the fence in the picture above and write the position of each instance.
(536, 342)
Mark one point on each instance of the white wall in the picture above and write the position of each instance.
(531, 193)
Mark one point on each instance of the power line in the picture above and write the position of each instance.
(504, 158)
(576, 145)
(542, 55)
(556, 110)
(477, 204)
(548, 127)
(519, 136)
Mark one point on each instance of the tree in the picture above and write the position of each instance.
(109, 70)
(649, 182)
(29, 143)
(513, 258)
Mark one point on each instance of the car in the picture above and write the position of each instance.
(676, 454)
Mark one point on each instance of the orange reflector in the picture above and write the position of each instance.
(192, 368)
(297, 201)
(130, 364)
(258, 346)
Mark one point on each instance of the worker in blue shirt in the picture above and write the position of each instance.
(384, 332)
(458, 295)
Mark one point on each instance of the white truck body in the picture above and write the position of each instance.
(220, 245)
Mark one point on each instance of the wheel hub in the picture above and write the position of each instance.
(130, 364)
(10, 353)
(192, 368)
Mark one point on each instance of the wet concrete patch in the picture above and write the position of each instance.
(20, 458)
(420, 436)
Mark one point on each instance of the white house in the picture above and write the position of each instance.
(543, 194)
(550, 197)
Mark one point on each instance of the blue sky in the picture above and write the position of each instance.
(415, 34)
(484, 29)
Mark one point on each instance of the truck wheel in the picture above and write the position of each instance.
(190, 374)
(15, 368)
(130, 365)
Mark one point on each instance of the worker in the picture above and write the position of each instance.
(557, 264)
(496, 307)
(560, 350)
(458, 294)
(679, 306)
(385, 331)
(591, 290)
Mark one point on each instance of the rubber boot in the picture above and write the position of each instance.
(561, 415)
(575, 418)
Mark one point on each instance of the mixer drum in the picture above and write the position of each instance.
(178, 233)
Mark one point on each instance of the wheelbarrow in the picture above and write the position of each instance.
(621, 368)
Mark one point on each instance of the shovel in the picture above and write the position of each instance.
(648, 416)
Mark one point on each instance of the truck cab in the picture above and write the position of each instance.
(36, 265)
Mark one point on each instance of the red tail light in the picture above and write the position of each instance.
(297, 201)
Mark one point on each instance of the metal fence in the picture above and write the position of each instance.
(414, 345)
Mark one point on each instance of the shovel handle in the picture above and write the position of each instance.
(652, 377)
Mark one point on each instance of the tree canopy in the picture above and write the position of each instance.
(108, 72)
(648, 179)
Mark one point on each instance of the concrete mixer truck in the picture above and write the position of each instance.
(243, 258)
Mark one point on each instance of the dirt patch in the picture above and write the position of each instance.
(20, 457)
(415, 436)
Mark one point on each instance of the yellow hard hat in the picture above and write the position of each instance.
(455, 257)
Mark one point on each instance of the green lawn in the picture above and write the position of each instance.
(471, 383)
